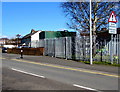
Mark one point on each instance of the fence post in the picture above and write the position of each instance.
(119, 49)
(73, 47)
(84, 41)
(44, 46)
(54, 46)
(101, 51)
(65, 47)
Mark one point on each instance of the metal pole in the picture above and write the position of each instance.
(111, 49)
(91, 61)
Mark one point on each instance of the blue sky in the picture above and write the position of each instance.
(0, 18)
(21, 17)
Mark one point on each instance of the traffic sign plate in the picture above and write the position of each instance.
(112, 17)
(112, 28)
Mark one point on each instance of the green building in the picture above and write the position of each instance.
(56, 34)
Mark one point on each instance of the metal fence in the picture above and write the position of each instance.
(109, 50)
(58, 47)
(78, 48)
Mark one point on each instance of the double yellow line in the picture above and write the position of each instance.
(61, 67)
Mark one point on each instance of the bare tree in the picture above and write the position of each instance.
(79, 15)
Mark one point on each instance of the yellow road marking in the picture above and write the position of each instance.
(61, 67)
(2, 58)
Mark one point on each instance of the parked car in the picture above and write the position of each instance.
(4, 50)
(23, 47)
(26, 47)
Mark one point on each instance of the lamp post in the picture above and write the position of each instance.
(18, 35)
(91, 59)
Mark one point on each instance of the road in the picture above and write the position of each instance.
(14, 80)
(44, 76)
(63, 62)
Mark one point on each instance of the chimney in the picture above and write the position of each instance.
(32, 31)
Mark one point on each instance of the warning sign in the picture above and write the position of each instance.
(112, 23)
(112, 17)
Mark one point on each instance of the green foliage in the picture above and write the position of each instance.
(101, 63)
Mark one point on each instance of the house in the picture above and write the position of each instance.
(32, 36)
(14, 41)
(3, 41)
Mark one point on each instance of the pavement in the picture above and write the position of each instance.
(64, 62)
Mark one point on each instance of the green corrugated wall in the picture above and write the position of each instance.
(50, 34)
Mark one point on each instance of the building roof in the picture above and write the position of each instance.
(4, 39)
(30, 34)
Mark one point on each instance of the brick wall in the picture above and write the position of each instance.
(27, 51)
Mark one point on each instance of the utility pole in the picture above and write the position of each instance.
(91, 60)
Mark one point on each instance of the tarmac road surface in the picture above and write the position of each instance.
(34, 75)
(45, 76)
(13, 80)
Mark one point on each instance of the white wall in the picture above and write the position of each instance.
(35, 36)
(9, 46)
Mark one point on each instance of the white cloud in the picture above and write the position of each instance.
(62, 29)
(3, 36)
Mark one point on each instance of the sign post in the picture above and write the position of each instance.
(112, 30)
(111, 49)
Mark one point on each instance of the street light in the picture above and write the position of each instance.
(18, 35)
(91, 60)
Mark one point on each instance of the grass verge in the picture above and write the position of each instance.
(101, 63)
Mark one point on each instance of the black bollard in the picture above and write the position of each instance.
(21, 53)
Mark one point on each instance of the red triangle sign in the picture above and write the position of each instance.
(112, 17)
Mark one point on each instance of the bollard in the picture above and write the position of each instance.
(21, 53)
